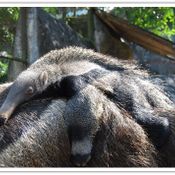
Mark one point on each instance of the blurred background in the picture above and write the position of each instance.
(142, 34)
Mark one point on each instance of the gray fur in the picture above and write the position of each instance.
(138, 96)
(124, 82)
(38, 137)
(43, 144)
(47, 70)
(39, 80)
(51, 67)
(141, 98)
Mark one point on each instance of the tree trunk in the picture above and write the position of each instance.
(91, 25)
(63, 11)
(74, 11)
(32, 35)
(20, 49)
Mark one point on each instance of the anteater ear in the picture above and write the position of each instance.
(43, 78)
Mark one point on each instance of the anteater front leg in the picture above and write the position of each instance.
(81, 116)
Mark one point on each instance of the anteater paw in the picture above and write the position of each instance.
(80, 160)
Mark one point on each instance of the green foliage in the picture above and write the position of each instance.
(51, 10)
(8, 20)
(159, 20)
(3, 70)
(67, 11)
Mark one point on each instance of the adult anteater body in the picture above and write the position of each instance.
(36, 136)
(128, 92)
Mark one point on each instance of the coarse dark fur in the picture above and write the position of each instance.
(157, 127)
(70, 61)
(36, 137)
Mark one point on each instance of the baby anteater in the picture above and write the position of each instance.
(50, 68)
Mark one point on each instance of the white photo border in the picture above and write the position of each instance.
(87, 3)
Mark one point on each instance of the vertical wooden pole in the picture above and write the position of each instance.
(20, 47)
(90, 25)
(32, 35)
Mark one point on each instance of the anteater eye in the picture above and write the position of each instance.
(30, 90)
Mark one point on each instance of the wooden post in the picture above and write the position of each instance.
(32, 35)
(90, 25)
(20, 48)
(26, 42)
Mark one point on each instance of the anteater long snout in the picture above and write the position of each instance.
(6, 111)
(9, 105)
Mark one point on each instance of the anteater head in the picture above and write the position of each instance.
(27, 85)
